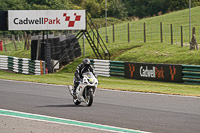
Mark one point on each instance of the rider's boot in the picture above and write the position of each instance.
(74, 92)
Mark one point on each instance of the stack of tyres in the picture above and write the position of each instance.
(72, 50)
(70, 36)
(33, 49)
(57, 48)
(42, 55)
(34, 46)
(77, 50)
(50, 40)
(66, 59)
(70, 47)
(63, 46)
(62, 38)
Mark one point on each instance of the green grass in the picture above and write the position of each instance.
(21, 53)
(110, 83)
(59, 79)
(110, 21)
(136, 51)
(154, 51)
(161, 53)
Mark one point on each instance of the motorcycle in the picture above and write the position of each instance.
(85, 90)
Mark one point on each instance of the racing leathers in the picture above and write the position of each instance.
(78, 74)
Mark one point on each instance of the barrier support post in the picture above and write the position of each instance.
(181, 36)
(144, 33)
(171, 34)
(161, 32)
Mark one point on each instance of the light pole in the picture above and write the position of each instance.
(190, 22)
(106, 20)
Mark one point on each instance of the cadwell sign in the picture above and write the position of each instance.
(46, 20)
(156, 72)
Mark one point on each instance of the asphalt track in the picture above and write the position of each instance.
(139, 111)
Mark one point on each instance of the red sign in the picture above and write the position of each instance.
(1, 45)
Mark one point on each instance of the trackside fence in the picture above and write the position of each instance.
(117, 68)
(22, 65)
(108, 68)
(190, 73)
(102, 67)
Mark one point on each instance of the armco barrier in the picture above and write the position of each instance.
(22, 65)
(108, 68)
(102, 67)
(191, 74)
(116, 68)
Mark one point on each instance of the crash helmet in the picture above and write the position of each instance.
(86, 63)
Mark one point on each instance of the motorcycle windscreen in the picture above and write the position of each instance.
(90, 77)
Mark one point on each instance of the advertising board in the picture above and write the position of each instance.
(46, 20)
(155, 72)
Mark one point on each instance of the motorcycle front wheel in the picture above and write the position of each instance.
(76, 102)
(89, 98)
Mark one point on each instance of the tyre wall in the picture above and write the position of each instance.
(59, 46)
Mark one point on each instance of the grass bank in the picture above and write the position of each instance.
(161, 53)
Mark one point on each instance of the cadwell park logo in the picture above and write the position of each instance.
(152, 73)
(155, 72)
(41, 20)
(72, 22)
(50, 21)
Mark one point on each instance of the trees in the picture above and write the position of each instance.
(116, 8)
(156, 7)
(93, 7)
(178, 5)
(144, 8)
(14, 5)
(49, 4)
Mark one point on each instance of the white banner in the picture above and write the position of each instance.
(46, 20)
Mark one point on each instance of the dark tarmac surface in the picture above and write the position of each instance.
(139, 111)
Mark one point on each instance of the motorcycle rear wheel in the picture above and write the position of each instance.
(76, 102)
(89, 98)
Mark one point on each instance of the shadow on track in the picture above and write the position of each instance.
(62, 106)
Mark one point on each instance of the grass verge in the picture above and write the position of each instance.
(110, 83)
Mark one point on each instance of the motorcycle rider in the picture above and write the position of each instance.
(82, 68)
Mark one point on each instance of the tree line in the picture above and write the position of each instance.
(120, 9)
(123, 9)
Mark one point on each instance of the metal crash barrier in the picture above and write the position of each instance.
(187, 74)
(22, 65)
